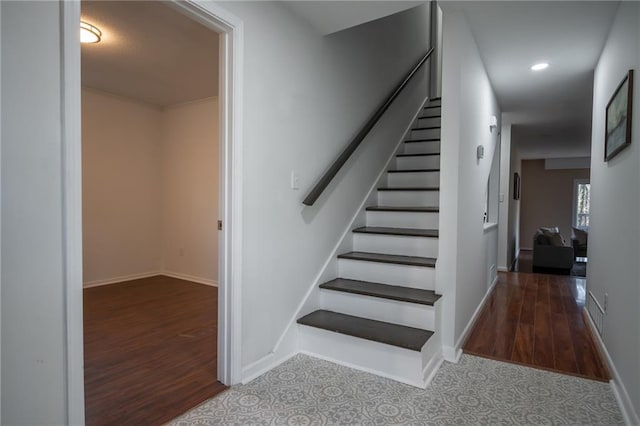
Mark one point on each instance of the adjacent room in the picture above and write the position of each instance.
(554, 215)
(150, 173)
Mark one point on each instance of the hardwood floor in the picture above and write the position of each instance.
(150, 350)
(537, 320)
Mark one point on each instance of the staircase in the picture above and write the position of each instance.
(380, 314)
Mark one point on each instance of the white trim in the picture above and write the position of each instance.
(264, 364)
(231, 52)
(488, 226)
(71, 165)
(525, 249)
(121, 279)
(429, 371)
(452, 354)
(192, 278)
(617, 386)
(502, 269)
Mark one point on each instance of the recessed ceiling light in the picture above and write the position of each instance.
(89, 33)
(540, 66)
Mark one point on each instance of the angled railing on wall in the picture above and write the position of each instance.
(328, 176)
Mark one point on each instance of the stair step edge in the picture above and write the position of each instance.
(383, 291)
(378, 331)
(404, 209)
(406, 232)
(423, 262)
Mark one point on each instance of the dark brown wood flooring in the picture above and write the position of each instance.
(150, 350)
(537, 320)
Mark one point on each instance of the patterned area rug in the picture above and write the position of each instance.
(476, 391)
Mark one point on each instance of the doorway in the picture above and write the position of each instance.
(227, 27)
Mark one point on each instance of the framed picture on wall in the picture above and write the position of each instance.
(516, 186)
(619, 117)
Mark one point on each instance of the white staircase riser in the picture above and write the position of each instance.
(388, 273)
(431, 147)
(427, 121)
(431, 112)
(403, 219)
(437, 102)
(413, 180)
(378, 358)
(396, 244)
(393, 311)
(409, 198)
(425, 134)
(421, 162)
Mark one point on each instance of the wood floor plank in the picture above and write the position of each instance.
(549, 332)
(150, 350)
(543, 339)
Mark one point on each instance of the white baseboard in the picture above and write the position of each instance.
(192, 278)
(287, 349)
(524, 249)
(124, 278)
(452, 354)
(429, 371)
(503, 269)
(617, 386)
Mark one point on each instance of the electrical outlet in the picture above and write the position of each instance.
(295, 180)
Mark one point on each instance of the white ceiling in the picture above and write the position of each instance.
(551, 110)
(149, 52)
(328, 17)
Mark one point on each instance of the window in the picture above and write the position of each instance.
(581, 203)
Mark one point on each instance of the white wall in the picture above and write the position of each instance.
(150, 189)
(305, 96)
(614, 235)
(468, 103)
(190, 190)
(509, 223)
(121, 187)
(33, 317)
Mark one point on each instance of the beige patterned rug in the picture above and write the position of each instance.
(476, 391)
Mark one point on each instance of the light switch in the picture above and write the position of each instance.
(295, 180)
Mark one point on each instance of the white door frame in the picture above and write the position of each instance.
(230, 29)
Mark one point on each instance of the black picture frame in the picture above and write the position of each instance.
(618, 118)
(516, 186)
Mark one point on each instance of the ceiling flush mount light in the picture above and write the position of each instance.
(89, 33)
(539, 66)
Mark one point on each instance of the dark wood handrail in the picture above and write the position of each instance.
(325, 180)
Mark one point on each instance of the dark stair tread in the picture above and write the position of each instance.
(411, 188)
(377, 331)
(435, 99)
(425, 128)
(412, 170)
(432, 106)
(412, 209)
(409, 232)
(428, 262)
(384, 291)
(418, 155)
(422, 140)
